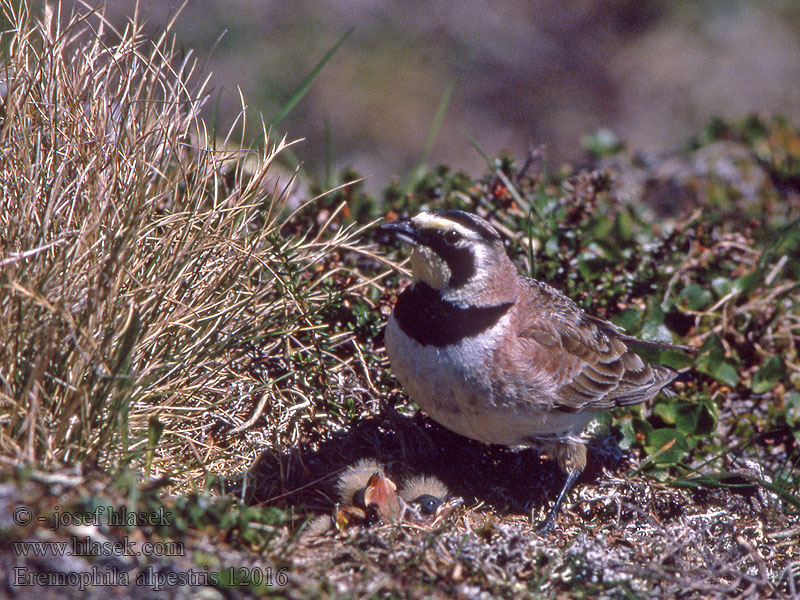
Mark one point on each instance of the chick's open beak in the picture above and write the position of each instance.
(381, 492)
(403, 230)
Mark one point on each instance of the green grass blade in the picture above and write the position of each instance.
(303, 88)
(433, 133)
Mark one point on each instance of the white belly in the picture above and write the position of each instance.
(453, 385)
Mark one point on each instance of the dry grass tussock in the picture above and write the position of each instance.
(142, 264)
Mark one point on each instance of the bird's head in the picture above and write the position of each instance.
(456, 253)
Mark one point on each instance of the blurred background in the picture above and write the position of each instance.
(514, 74)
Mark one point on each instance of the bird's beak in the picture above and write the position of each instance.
(403, 230)
(445, 510)
(381, 491)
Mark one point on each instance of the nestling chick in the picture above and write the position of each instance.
(427, 499)
(428, 493)
(502, 358)
(366, 494)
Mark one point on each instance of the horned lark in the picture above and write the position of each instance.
(502, 358)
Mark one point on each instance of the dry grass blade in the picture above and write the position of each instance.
(142, 269)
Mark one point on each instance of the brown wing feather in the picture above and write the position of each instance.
(591, 364)
(633, 342)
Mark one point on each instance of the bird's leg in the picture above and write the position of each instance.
(571, 457)
(546, 525)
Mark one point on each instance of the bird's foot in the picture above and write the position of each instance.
(545, 526)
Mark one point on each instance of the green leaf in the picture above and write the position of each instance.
(675, 359)
(712, 346)
(746, 283)
(667, 411)
(688, 415)
(707, 415)
(656, 333)
(768, 375)
(722, 286)
(632, 427)
(628, 434)
(712, 362)
(665, 446)
(628, 319)
(653, 327)
(590, 267)
(725, 373)
(692, 422)
(695, 297)
(601, 231)
(623, 225)
(683, 415)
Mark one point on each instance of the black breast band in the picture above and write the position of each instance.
(432, 321)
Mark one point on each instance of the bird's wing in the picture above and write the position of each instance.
(587, 361)
(632, 342)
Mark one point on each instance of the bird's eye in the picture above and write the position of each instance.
(427, 504)
(451, 236)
